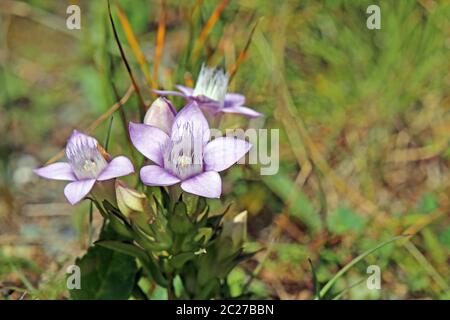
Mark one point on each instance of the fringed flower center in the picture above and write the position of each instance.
(183, 156)
(85, 157)
(212, 83)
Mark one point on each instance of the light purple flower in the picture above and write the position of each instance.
(210, 93)
(88, 163)
(186, 156)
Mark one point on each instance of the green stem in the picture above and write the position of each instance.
(170, 289)
(91, 226)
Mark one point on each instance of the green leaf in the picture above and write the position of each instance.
(203, 233)
(214, 221)
(315, 282)
(149, 265)
(125, 248)
(105, 275)
(179, 260)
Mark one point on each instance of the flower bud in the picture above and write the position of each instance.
(129, 200)
(236, 229)
(161, 114)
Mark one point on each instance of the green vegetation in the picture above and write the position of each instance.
(364, 135)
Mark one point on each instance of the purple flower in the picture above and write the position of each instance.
(210, 93)
(186, 155)
(88, 163)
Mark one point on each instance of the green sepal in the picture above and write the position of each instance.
(180, 259)
(179, 222)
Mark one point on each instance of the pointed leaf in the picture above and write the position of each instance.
(105, 275)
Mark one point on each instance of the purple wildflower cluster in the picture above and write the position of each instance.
(178, 144)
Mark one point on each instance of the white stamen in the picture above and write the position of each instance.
(212, 83)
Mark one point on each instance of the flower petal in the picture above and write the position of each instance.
(210, 109)
(156, 176)
(169, 93)
(76, 191)
(193, 116)
(185, 90)
(56, 171)
(223, 152)
(206, 184)
(149, 141)
(118, 167)
(242, 110)
(234, 99)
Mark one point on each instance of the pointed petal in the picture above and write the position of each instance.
(207, 184)
(242, 110)
(118, 167)
(156, 176)
(192, 115)
(185, 90)
(76, 191)
(169, 93)
(223, 152)
(149, 141)
(56, 171)
(234, 99)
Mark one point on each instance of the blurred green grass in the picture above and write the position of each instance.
(364, 134)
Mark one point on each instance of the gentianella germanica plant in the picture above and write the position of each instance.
(162, 232)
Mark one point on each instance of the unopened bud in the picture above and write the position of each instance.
(236, 229)
(161, 114)
(129, 200)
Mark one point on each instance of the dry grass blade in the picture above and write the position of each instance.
(132, 41)
(98, 121)
(142, 106)
(418, 154)
(233, 69)
(426, 265)
(207, 28)
(159, 41)
(421, 223)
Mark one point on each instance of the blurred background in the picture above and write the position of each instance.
(364, 120)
